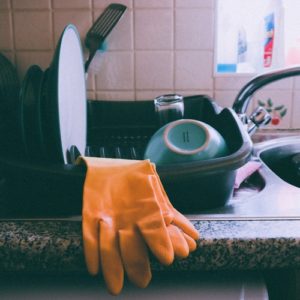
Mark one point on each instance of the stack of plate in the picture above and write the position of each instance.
(9, 91)
(31, 114)
(51, 110)
(9, 85)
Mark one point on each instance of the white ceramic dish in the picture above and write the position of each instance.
(66, 103)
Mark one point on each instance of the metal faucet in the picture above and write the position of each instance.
(260, 116)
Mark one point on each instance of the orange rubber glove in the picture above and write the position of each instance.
(181, 231)
(179, 226)
(125, 207)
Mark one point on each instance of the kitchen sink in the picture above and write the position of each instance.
(282, 156)
(272, 192)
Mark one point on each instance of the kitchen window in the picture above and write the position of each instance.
(253, 36)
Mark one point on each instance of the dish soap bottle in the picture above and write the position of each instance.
(273, 54)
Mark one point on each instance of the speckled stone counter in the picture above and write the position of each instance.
(53, 246)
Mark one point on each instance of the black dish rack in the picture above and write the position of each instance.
(122, 129)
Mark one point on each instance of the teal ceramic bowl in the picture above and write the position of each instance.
(185, 140)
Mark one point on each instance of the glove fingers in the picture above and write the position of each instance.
(90, 233)
(160, 193)
(135, 257)
(184, 224)
(155, 234)
(191, 242)
(111, 261)
(179, 220)
(180, 245)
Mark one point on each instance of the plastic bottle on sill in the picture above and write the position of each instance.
(243, 64)
(227, 48)
(273, 54)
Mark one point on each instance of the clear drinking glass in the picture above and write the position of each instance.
(169, 108)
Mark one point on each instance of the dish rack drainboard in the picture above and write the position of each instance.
(125, 147)
(123, 143)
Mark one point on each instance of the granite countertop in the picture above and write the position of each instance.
(55, 245)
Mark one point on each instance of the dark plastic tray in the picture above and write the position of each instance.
(123, 129)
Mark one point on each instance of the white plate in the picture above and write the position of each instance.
(67, 103)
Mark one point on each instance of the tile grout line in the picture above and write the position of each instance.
(214, 52)
(174, 53)
(134, 50)
(52, 25)
(94, 82)
(12, 23)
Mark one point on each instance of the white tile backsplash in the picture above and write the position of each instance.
(153, 3)
(193, 70)
(31, 4)
(226, 98)
(194, 29)
(4, 4)
(82, 19)
(71, 4)
(231, 82)
(32, 30)
(297, 83)
(121, 37)
(154, 70)
(195, 3)
(158, 47)
(153, 29)
(227, 82)
(150, 94)
(116, 71)
(195, 92)
(296, 110)
(6, 36)
(105, 3)
(115, 95)
(91, 82)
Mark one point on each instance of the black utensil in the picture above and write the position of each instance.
(73, 154)
(101, 29)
